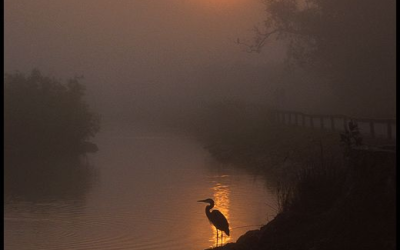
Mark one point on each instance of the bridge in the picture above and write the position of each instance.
(373, 128)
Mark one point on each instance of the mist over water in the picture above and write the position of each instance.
(143, 197)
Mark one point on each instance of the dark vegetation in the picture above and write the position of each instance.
(350, 43)
(47, 127)
(44, 117)
(246, 134)
(333, 194)
(334, 207)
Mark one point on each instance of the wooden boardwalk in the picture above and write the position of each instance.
(374, 128)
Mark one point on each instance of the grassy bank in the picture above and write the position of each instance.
(335, 207)
(328, 200)
(278, 153)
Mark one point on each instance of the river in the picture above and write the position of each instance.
(142, 194)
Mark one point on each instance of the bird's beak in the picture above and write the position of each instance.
(201, 201)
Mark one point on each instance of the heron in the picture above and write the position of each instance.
(216, 218)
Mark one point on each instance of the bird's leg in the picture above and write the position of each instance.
(222, 238)
(217, 237)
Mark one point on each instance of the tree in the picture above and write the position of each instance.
(45, 117)
(350, 42)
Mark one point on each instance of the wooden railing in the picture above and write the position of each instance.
(376, 128)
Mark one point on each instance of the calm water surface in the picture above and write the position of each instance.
(142, 196)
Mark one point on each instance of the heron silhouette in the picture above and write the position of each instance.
(216, 218)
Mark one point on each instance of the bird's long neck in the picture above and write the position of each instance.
(208, 209)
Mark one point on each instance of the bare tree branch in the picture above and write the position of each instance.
(259, 44)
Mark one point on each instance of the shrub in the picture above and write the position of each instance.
(43, 116)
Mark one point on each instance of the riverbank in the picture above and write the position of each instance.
(328, 201)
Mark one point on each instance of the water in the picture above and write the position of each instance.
(142, 196)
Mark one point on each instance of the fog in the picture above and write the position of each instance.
(145, 56)
(120, 114)
(132, 53)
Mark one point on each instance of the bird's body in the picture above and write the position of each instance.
(216, 218)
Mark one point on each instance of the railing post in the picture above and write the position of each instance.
(311, 121)
(372, 129)
(286, 117)
(389, 130)
(322, 121)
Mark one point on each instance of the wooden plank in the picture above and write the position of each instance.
(286, 117)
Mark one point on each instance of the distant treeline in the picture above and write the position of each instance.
(44, 117)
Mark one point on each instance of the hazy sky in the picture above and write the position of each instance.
(131, 51)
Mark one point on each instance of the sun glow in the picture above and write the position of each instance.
(220, 4)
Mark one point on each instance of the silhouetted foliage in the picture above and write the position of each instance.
(45, 117)
(332, 204)
(350, 42)
(351, 137)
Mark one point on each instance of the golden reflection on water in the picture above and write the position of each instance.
(222, 202)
